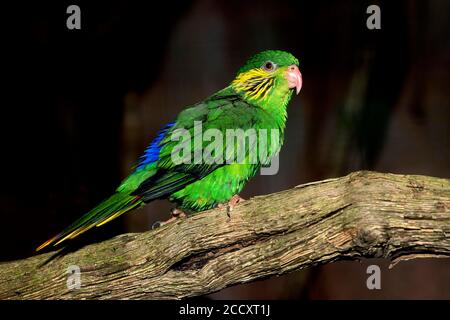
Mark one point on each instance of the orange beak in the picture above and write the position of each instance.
(294, 78)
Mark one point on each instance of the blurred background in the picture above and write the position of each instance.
(80, 106)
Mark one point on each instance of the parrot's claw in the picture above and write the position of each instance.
(232, 203)
(176, 213)
(156, 225)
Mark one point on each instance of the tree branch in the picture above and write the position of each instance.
(364, 214)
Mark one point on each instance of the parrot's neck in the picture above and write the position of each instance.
(274, 103)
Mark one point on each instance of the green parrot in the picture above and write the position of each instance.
(255, 100)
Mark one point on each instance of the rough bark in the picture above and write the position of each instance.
(364, 214)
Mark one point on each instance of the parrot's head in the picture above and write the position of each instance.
(269, 76)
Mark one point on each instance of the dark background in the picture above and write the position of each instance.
(79, 107)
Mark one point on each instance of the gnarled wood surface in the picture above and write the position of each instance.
(364, 214)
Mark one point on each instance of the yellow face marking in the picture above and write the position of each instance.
(255, 83)
(265, 89)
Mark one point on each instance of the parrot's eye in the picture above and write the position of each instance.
(269, 66)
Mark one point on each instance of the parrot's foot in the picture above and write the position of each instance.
(230, 204)
(176, 213)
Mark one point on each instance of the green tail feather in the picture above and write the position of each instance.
(106, 211)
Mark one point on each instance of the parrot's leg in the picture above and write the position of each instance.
(231, 204)
(233, 201)
(175, 212)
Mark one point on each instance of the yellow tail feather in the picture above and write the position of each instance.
(75, 233)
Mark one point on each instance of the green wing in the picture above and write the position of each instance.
(223, 111)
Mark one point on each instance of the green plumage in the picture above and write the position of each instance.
(256, 99)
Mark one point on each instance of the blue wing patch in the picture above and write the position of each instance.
(151, 154)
